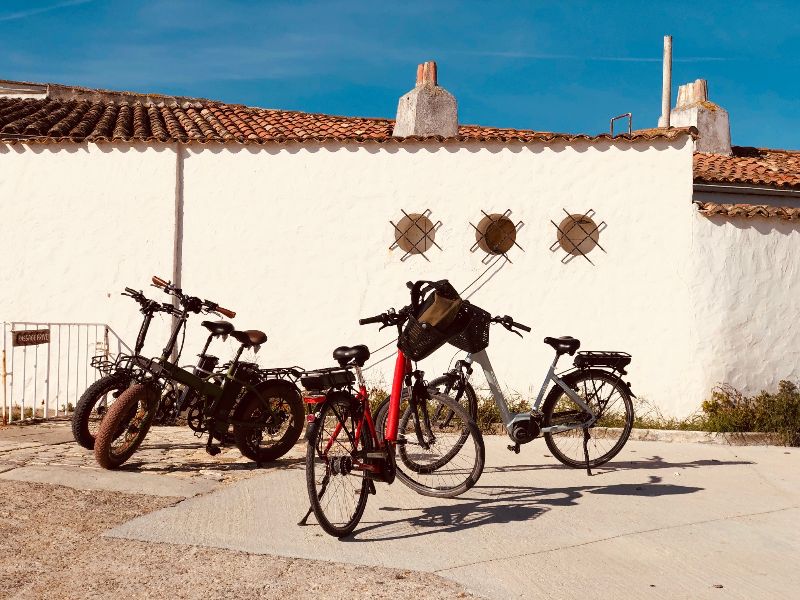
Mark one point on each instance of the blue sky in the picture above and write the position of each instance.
(553, 66)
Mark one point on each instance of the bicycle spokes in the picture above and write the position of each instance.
(336, 484)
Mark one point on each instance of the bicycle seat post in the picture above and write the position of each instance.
(359, 377)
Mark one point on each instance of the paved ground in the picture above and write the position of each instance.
(668, 521)
(52, 544)
(173, 452)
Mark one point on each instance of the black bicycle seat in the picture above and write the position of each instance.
(347, 354)
(563, 344)
(250, 337)
(218, 327)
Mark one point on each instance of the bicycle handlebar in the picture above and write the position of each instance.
(511, 324)
(370, 320)
(390, 317)
(192, 303)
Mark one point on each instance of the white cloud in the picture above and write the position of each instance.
(24, 14)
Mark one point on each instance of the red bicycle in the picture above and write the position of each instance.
(433, 447)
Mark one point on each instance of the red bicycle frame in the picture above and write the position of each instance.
(402, 368)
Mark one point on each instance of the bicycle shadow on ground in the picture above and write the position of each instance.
(501, 504)
(654, 462)
(210, 465)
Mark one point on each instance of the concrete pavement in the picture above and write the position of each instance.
(663, 521)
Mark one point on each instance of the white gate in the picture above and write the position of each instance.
(45, 366)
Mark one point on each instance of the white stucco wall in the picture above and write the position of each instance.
(746, 298)
(79, 223)
(296, 239)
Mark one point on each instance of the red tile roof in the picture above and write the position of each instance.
(56, 120)
(749, 166)
(712, 209)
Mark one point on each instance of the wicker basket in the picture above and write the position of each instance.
(418, 342)
(475, 337)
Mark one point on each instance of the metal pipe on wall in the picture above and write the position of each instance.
(666, 83)
(177, 245)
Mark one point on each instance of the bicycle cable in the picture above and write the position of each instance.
(483, 273)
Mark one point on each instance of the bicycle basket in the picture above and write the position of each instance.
(475, 336)
(102, 364)
(437, 314)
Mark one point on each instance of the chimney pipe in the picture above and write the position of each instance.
(666, 83)
(428, 109)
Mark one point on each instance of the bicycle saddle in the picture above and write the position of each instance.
(249, 337)
(218, 327)
(356, 354)
(563, 344)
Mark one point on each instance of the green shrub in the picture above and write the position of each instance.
(729, 410)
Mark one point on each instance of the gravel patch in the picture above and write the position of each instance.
(52, 548)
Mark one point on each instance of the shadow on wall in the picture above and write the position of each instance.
(763, 225)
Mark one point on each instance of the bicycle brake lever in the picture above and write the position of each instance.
(510, 328)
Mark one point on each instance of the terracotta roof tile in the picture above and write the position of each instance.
(749, 166)
(712, 209)
(97, 120)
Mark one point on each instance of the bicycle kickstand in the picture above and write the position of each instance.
(586, 438)
(304, 521)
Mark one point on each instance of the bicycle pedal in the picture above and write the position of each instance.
(213, 450)
(514, 448)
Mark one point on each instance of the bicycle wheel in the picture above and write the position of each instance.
(608, 396)
(94, 404)
(449, 386)
(440, 456)
(125, 425)
(337, 492)
(263, 437)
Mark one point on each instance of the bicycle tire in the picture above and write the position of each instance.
(466, 398)
(138, 400)
(249, 410)
(558, 442)
(352, 409)
(89, 402)
(461, 478)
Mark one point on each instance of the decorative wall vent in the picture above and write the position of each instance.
(415, 234)
(496, 234)
(578, 235)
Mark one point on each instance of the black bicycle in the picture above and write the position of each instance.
(116, 377)
(265, 414)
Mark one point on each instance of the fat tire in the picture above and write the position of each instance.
(571, 380)
(89, 400)
(115, 418)
(250, 403)
(311, 487)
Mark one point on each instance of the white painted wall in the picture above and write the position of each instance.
(79, 223)
(746, 299)
(296, 239)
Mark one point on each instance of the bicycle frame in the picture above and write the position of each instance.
(482, 358)
(163, 367)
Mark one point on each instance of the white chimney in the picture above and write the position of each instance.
(427, 109)
(693, 108)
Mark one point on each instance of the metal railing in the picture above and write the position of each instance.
(45, 366)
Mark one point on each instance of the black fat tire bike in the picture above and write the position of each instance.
(116, 377)
(266, 415)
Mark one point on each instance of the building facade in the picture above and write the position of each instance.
(303, 223)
